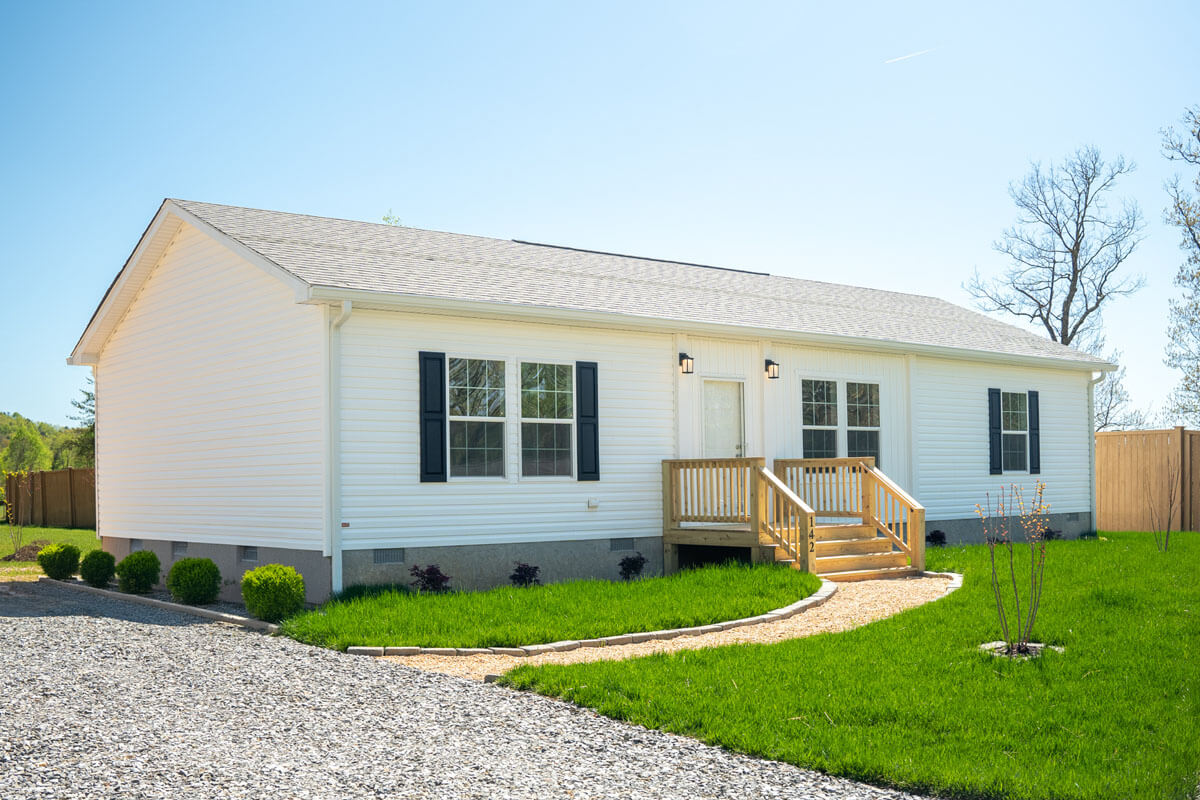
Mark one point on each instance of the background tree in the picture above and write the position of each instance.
(83, 441)
(1183, 346)
(1067, 247)
(26, 452)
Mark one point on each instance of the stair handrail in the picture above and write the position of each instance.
(786, 519)
(889, 508)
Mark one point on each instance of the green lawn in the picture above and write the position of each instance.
(910, 701)
(539, 614)
(82, 538)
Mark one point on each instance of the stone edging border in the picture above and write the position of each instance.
(956, 580)
(195, 611)
(826, 591)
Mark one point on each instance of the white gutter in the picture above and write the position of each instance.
(334, 444)
(434, 305)
(1092, 442)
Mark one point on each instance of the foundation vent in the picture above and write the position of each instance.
(389, 555)
(615, 545)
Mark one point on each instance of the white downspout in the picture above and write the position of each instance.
(335, 443)
(1092, 444)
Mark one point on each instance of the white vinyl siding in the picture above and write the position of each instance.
(384, 503)
(951, 425)
(209, 399)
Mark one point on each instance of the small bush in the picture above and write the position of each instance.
(195, 581)
(1051, 535)
(632, 566)
(370, 590)
(524, 575)
(59, 561)
(273, 592)
(98, 568)
(431, 579)
(1088, 535)
(138, 572)
(936, 538)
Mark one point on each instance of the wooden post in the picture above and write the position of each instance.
(71, 494)
(670, 551)
(1185, 505)
(42, 481)
(869, 490)
(916, 537)
(757, 498)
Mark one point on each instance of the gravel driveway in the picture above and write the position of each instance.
(101, 698)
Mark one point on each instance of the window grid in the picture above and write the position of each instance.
(819, 418)
(862, 420)
(476, 397)
(547, 419)
(1014, 424)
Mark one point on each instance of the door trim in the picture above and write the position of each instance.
(741, 382)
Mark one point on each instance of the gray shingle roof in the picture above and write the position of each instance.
(408, 261)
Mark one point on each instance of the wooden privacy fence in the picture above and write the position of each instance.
(1145, 477)
(63, 498)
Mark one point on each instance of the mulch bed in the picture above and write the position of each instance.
(26, 552)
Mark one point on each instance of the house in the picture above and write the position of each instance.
(354, 399)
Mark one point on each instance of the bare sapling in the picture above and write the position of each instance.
(1009, 517)
(1163, 503)
(16, 531)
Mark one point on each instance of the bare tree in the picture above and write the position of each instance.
(1111, 405)
(1163, 505)
(1067, 247)
(1183, 347)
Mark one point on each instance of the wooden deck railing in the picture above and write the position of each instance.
(832, 486)
(856, 488)
(781, 508)
(708, 489)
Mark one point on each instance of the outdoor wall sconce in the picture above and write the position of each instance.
(687, 364)
(772, 369)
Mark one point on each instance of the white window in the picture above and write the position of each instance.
(819, 417)
(476, 418)
(1014, 426)
(547, 419)
(862, 420)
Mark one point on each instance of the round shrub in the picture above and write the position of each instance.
(59, 561)
(272, 592)
(138, 572)
(98, 568)
(195, 581)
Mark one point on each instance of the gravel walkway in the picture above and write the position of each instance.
(102, 698)
(854, 604)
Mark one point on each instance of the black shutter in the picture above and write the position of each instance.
(995, 442)
(587, 421)
(1035, 436)
(432, 402)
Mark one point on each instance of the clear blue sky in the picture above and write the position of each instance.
(772, 137)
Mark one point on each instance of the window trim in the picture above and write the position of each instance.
(521, 419)
(843, 427)
(838, 409)
(877, 429)
(1007, 432)
(503, 421)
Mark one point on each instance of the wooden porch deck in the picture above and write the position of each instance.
(840, 518)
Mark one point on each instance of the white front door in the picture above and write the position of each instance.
(724, 424)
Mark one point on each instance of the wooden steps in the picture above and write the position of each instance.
(871, 574)
(856, 552)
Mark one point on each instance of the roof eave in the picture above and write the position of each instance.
(387, 301)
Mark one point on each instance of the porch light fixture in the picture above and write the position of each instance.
(772, 369)
(687, 364)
